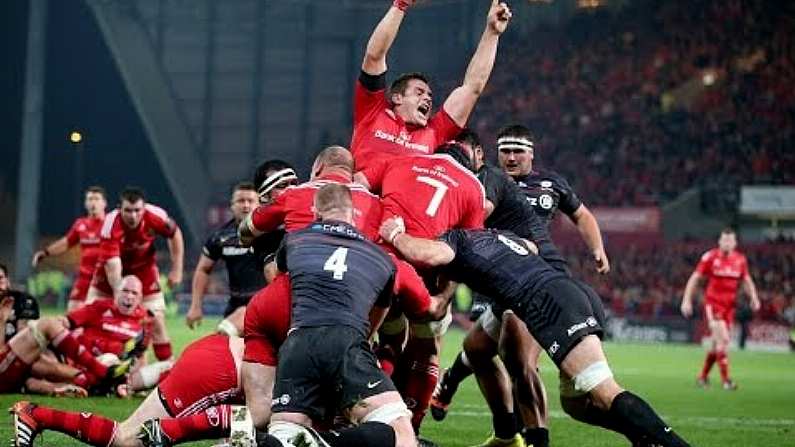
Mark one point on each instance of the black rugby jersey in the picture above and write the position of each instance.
(547, 191)
(336, 275)
(244, 265)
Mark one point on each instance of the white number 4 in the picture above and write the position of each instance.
(336, 263)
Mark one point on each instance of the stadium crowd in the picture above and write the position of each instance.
(701, 90)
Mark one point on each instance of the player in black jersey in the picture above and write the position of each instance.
(547, 190)
(554, 308)
(244, 265)
(326, 364)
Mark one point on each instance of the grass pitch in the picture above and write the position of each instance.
(760, 413)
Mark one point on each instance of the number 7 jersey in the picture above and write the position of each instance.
(432, 193)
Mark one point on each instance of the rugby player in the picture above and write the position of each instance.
(84, 231)
(127, 248)
(725, 269)
(244, 265)
(555, 309)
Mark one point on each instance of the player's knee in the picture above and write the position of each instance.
(597, 380)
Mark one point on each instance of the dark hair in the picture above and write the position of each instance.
(515, 130)
(244, 186)
(4, 268)
(333, 196)
(267, 167)
(132, 194)
(459, 154)
(728, 230)
(98, 190)
(399, 85)
(469, 137)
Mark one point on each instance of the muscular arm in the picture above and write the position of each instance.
(201, 277)
(462, 100)
(690, 288)
(380, 42)
(113, 272)
(258, 386)
(591, 234)
(750, 288)
(488, 209)
(423, 252)
(176, 248)
(58, 247)
(6, 307)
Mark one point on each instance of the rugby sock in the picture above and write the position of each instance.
(504, 424)
(458, 372)
(639, 421)
(419, 386)
(709, 360)
(67, 344)
(364, 435)
(162, 350)
(723, 365)
(212, 423)
(537, 436)
(87, 427)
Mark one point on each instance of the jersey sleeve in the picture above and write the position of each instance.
(453, 238)
(569, 202)
(493, 186)
(82, 316)
(368, 96)
(375, 173)
(704, 266)
(212, 247)
(444, 127)
(267, 218)
(160, 221)
(73, 235)
(110, 238)
(477, 201)
(415, 300)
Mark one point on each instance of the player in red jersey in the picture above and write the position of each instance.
(84, 231)
(432, 194)
(191, 403)
(400, 122)
(26, 347)
(293, 208)
(725, 269)
(127, 248)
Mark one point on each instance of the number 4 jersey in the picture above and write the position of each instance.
(432, 193)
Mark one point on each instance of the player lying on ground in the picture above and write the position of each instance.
(555, 310)
(27, 346)
(190, 403)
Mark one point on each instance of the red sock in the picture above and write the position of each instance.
(386, 359)
(86, 427)
(67, 344)
(708, 362)
(723, 365)
(162, 350)
(212, 423)
(419, 385)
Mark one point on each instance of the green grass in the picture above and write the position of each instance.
(760, 413)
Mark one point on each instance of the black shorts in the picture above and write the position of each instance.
(326, 369)
(235, 302)
(560, 314)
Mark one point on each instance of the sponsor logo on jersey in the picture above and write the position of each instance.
(546, 202)
(546, 184)
(554, 348)
(590, 322)
(403, 140)
(119, 329)
(284, 399)
(237, 251)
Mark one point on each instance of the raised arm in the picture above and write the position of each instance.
(383, 36)
(417, 251)
(462, 100)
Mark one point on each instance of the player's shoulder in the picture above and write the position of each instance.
(112, 220)
(709, 254)
(155, 211)
(547, 178)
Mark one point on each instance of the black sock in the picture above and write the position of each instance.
(538, 436)
(504, 425)
(367, 434)
(458, 372)
(641, 422)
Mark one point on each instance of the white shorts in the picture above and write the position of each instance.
(154, 303)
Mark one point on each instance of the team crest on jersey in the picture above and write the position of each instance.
(546, 184)
(545, 201)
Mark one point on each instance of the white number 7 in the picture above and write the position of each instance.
(438, 195)
(336, 263)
